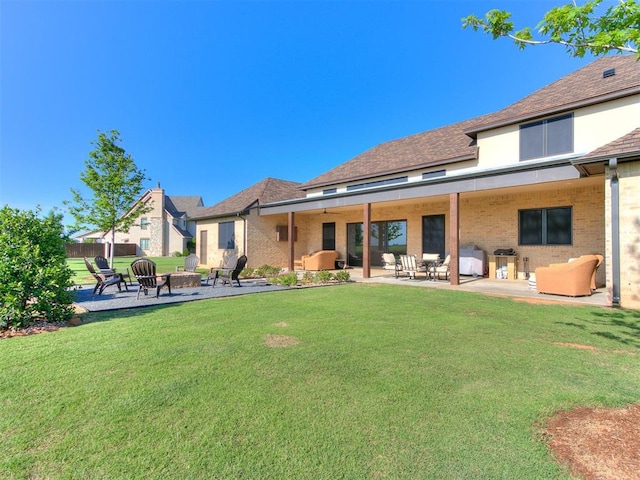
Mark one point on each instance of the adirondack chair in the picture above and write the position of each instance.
(227, 275)
(104, 280)
(190, 264)
(103, 265)
(145, 272)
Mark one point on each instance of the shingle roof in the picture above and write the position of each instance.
(178, 206)
(628, 145)
(266, 191)
(439, 146)
(583, 87)
(455, 143)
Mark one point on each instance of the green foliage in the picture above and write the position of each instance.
(116, 183)
(266, 271)
(576, 27)
(34, 277)
(176, 254)
(342, 276)
(289, 279)
(324, 276)
(308, 277)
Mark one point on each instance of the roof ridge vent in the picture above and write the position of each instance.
(609, 73)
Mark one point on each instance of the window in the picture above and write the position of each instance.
(385, 237)
(144, 222)
(377, 183)
(546, 137)
(145, 244)
(329, 236)
(434, 174)
(329, 191)
(226, 235)
(545, 226)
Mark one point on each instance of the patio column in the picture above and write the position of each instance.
(290, 244)
(366, 240)
(454, 238)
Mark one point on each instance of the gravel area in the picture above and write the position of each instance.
(112, 299)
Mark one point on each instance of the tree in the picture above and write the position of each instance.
(34, 276)
(576, 27)
(116, 183)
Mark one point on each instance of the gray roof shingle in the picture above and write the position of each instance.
(266, 191)
(186, 205)
(456, 142)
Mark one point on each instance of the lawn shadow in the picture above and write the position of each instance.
(626, 324)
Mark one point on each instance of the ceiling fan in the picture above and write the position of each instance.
(328, 213)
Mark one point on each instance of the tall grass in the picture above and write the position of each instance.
(352, 381)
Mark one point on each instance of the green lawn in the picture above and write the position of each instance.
(364, 381)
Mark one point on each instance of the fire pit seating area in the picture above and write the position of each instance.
(185, 279)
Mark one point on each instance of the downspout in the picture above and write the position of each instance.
(244, 232)
(615, 233)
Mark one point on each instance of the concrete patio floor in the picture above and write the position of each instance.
(111, 299)
(488, 286)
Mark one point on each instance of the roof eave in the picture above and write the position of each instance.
(473, 132)
(462, 158)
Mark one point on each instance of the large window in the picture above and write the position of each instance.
(226, 236)
(545, 226)
(145, 244)
(545, 138)
(385, 237)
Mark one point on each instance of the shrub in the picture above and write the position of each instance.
(324, 276)
(308, 277)
(342, 276)
(34, 276)
(267, 271)
(289, 279)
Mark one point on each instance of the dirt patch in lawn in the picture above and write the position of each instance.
(597, 443)
(280, 341)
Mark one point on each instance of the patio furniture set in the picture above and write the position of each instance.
(411, 265)
(144, 271)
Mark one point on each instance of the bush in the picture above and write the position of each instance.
(308, 277)
(324, 276)
(288, 279)
(267, 271)
(342, 276)
(34, 276)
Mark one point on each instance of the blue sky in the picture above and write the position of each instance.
(211, 97)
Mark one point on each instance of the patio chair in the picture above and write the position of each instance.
(227, 275)
(441, 270)
(389, 262)
(104, 280)
(411, 267)
(103, 265)
(190, 264)
(145, 272)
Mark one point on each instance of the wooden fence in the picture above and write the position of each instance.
(79, 250)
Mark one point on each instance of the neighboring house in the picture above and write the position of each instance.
(554, 176)
(234, 226)
(166, 229)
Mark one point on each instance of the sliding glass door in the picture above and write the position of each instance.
(385, 237)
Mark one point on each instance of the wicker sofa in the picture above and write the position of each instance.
(573, 279)
(321, 260)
